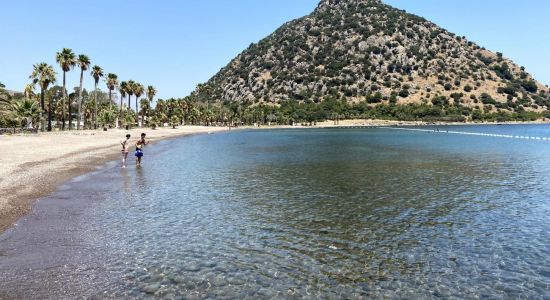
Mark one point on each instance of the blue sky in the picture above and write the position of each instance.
(175, 44)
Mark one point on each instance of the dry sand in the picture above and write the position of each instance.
(32, 166)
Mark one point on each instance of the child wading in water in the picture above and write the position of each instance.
(125, 150)
(139, 149)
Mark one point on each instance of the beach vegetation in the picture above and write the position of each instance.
(107, 117)
(16, 112)
(4, 100)
(129, 118)
(153, 122)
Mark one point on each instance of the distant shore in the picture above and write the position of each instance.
(382, 123)
(33, 165)
(376, 123)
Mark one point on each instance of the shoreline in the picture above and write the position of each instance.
(34, 165)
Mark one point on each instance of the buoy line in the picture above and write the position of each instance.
(507, 136)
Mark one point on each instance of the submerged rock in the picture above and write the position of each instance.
(150, 288)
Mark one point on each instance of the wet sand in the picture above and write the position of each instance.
(32, 166)
(42, 257)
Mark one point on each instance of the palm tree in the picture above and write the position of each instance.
(130, 91)
(107, 116)
(182, 105)
(160, 106)
(160, 109)
(209, 116)
(5, 101)
(84, 64)
(73, 98)
(87, 111)
(44, 75)
(129, 118)
(153, 122)
(57, 110)
(97, 72)
(25, 109)
(66, 60)
(151, 93)
(138, 91)
(123, 89)
(171, 105)
(195, 115)
(174, 121)
(144, 104)
(29, 91)
(112, 83)
(163, 118)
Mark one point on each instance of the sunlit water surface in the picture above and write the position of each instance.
(330, 213)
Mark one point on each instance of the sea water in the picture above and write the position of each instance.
(299, 213)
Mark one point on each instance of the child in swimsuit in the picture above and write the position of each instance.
(125, 150)
(139, 149)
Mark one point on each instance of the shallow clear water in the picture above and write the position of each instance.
(329, 213)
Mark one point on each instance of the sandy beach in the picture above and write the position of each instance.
(33, 165)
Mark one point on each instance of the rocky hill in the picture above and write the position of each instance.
(365, 50)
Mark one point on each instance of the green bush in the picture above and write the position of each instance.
(440, 101)
(503, 71)
(487, 99)
(376, 98)
(529, 85)
(404, 93)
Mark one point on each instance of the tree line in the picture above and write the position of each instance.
(55, 103)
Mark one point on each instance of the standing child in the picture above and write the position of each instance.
(125, 150)
(139, 149)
